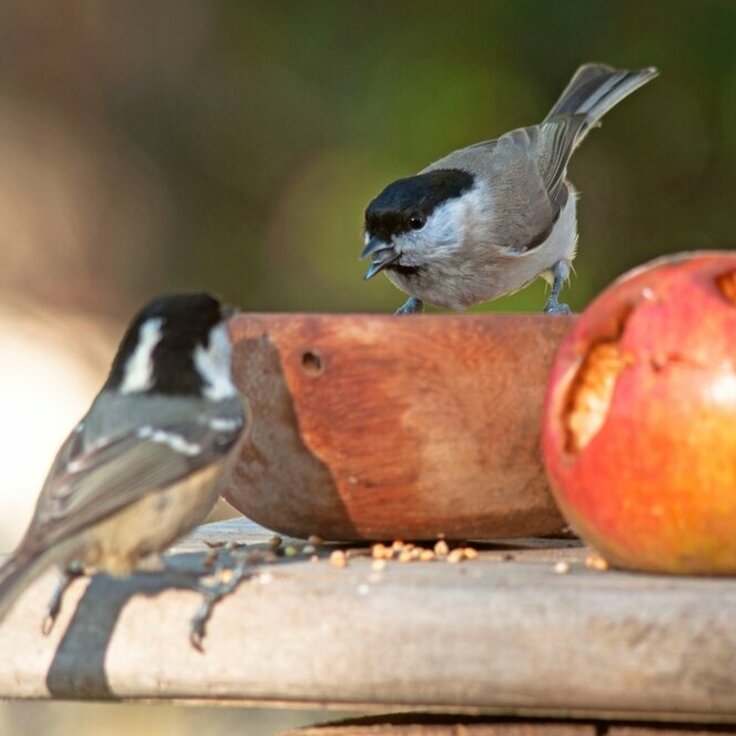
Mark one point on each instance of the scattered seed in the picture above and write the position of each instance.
(363, 589)
(291, 551)
(441, 549)
(397, 546)
(426, 555)
(596, 562)
(316, 540)
(562, 568)
(314, 558)
(226, 575)
(308, 549)
(338, 559)
(275, 541)
(405, 556)
(455, 556)
(378, 565)
(380, 551)
(470, 553)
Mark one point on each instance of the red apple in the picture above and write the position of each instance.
(639, 432)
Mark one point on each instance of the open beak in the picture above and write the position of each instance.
(382, 254)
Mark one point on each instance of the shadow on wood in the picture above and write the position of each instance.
(78, 666)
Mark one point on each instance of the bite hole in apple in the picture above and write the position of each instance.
(726, 284)
(591, 391)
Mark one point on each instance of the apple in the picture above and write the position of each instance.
(639, 424)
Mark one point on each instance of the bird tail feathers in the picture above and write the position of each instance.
(595, 89)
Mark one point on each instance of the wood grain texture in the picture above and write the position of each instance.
(483, 636)
(417, 725)
(377, 427)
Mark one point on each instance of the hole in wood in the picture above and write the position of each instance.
(312, 363)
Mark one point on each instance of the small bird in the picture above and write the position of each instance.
(487, 220)
(147, 462)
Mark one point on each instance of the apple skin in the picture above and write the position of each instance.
(639, 427)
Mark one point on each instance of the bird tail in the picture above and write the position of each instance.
(595, 89)
(18, 572)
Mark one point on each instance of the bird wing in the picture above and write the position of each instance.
(526, 170)
(86, 485)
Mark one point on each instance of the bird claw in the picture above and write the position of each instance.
(211, 596)
(554, 307)
(53, 609)
(411, 306)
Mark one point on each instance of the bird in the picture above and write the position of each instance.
(487, 220)
(147, 462)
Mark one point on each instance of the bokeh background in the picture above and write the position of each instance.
(148, 146)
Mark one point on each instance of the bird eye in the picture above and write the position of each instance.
(416, 222)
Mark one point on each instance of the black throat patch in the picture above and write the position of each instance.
(390, 213)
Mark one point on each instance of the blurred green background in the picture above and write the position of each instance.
(234, 145)
(147, 146)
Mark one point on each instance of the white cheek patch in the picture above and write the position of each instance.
(225, 425)
(213, 365)
(138, 374)
(175, 441)
(445, 230)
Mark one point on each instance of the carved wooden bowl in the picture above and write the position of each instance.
(383, 427)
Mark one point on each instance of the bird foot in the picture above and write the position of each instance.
(227, 580)
(554, 307)
(53, 609)
(411, 306)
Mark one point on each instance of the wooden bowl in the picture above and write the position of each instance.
(383, 427)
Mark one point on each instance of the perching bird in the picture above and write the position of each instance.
(147, 462)
(487, 220)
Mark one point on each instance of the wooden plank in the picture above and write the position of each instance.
(411, 724)
(443, 726)
(480, 636)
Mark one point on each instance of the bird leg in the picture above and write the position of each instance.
(411, 306)
(67, 577)
(227, 580)
(560, 273)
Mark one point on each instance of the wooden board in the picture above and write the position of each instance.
(490, 635)
(411, 724)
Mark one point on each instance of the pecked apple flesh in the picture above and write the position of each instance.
(639, 429)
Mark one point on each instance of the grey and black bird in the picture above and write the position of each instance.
(487, 220)
(147, 462)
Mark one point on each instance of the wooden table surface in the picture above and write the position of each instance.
(504, 633)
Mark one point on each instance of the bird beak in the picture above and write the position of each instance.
(382, 254)
(372, 246)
